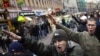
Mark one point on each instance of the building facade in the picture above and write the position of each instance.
(98, 5)
(15, 6)
(70, 6)
(91, 6)
(35, 4)
(43, 4)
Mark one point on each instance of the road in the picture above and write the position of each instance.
(47, 40)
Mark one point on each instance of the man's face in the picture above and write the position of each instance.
(91, 26)
(60, 45)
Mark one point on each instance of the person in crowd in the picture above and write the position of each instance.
(3, 43)
(35, 29)
(87, 39)
(81, 23)
(63, 22)
(73, 25)
(17, 49)
(58, 47)
(21, 30)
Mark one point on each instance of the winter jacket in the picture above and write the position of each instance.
(48, 50)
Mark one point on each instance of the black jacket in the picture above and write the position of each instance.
(47, 50)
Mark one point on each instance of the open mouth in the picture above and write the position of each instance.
(91, 30)
(59, 48)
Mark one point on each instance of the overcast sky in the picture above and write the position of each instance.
(92, 0)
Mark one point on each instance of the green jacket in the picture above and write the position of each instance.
(43, 50)
(89, 43)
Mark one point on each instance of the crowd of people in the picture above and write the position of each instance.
(87, 38)
(36, 29)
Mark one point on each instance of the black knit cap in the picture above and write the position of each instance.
(60, 34)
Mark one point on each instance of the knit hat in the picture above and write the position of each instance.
(16, 47)
(59, 34)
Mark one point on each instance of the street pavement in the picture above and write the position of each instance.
(46, 40)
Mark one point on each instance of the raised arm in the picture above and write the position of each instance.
(72, 35)
(31, 44)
